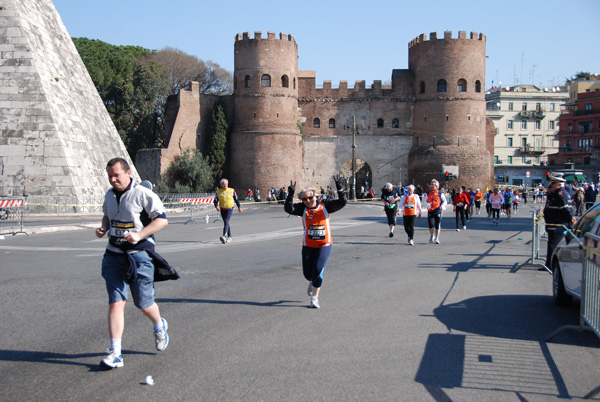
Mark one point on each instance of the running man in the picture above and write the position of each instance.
(128, 262)
(316, 245)
(224, 200)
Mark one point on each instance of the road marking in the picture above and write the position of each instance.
(164, 248)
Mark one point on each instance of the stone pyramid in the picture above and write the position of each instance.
(56, 135)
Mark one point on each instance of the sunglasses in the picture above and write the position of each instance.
(308, 198)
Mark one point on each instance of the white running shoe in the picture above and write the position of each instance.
(112, 360)
(457, 229)
(314, 302)
(464, 228)
(161, 338)
(229, 239)
(411, 242)
(437, 240)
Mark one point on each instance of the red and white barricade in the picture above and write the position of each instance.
(11, 215)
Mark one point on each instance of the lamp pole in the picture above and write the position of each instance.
(353, 194)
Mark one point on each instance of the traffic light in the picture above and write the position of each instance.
(506, 180)
(547, 175)
(447, 176)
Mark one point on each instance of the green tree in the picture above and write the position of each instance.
(217, 138)
(579, 75)
(192, 170)
(133, 88)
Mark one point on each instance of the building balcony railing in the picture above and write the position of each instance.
(532, 114)
(531, 150)
(586, 150)
(578, 131)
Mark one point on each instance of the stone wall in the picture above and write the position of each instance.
(56, 133)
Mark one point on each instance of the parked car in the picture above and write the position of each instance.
(567, 259)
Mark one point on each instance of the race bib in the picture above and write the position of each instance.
(410, 205)
(118, 229)
(316, 232)
(459, 204)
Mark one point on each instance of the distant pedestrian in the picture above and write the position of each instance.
(390, 196)
(224, 201)
(410, 206)
(435, 201)
(461, 205)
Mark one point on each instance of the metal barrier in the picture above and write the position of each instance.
(11, 215)
(589, 312)
(201, 208)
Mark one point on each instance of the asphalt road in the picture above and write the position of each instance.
(461, 321)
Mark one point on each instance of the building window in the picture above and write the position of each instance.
(247, 81)
(395, 123)
(524, 159)
(317, 123)
(509, 142)
(462, 85)
(570, 128)
(425, 119)
(379, 123)
(538, 124)
(510, 106)
(441, 86)
(585, 144)
(524, 142)
(538, 107)
(524, 106)
(254, 115)
(477, 86)
(552, 107)
(447, 117)
(509, 160)
(294, 83)
(265, 80)
(523, 124)
(496, 159)
(588, 106)
(469, 117)
(551, 124)
(331, 123)
(285, 81)
(509, 125)
(422, 87)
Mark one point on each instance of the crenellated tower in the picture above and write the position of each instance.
(266, 144)
(449, 119)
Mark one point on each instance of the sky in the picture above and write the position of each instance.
(528, 41)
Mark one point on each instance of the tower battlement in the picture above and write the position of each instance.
(433, 36)
(245, 36)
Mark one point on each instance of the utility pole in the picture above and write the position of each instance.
(353, 193)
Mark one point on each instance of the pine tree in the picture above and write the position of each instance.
(217, 139)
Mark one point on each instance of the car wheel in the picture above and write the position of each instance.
(560, 295)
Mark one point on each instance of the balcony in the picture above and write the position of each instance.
(532, 114)
(531, 150)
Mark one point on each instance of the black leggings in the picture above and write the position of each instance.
(434, 219)
(409, 225)
(391, 215)
(313, 263)
(460, 211)
(495, 213)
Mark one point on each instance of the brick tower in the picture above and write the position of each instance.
(266, 144)
(449, 117)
